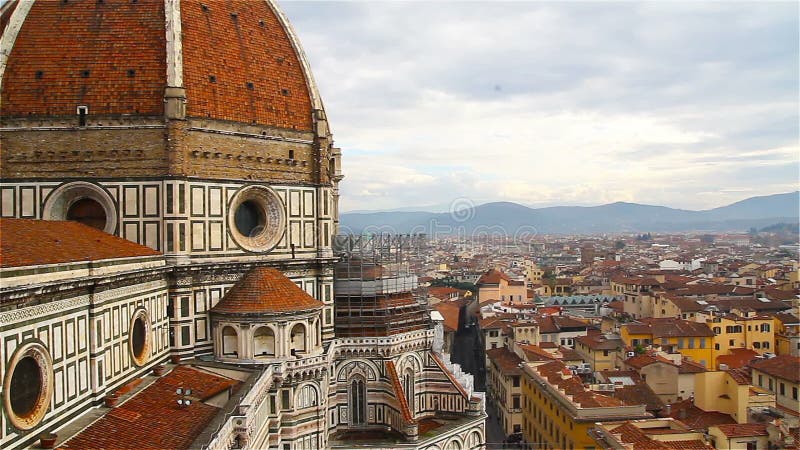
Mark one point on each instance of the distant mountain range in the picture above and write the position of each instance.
(619, 217)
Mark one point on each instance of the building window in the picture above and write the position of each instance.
(230, 341)
(756, 345)
(765, 328)
(28, 386)
(306, 397)
(139, 337)
(264, 342)
(716, 346)
(765, 344)
(358, 401)
(717, 330)
(794, 393)
(515, 380)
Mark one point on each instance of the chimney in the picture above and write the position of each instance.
(668, 409)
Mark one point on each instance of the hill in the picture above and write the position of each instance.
(512, 218)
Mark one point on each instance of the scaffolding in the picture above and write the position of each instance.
(376, 286)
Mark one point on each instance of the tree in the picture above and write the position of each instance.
(619, 245)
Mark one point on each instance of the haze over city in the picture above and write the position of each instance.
(687, 105)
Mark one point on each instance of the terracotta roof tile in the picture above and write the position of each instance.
(696, 418)
(63, 39)
(781, 366)
(492, 276)
(152, 418)
(743, 429)
(450, 311)
(265, 290)
(26, 242)
(398, 392)
(507, 361)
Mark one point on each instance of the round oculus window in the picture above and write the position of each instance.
(88, 212)
(256, 218)
(249, 218)
(139, 337)
(28, 386)
(82, 202)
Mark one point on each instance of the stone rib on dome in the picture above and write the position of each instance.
(265, 290)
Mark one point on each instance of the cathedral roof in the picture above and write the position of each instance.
(265, 290)
(236, 60)
(152, 418)
(27, 242)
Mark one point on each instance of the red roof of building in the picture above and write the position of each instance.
(737, 357)
(26, 242)
(743, 429)
(506, 361)
(696, 418)
(152, 418)
(265, 290)
(781, 366)
(399, 394)
(450, 311)
(492, 276)
(239, 62)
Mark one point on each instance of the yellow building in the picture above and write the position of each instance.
(495, 285)
(787, 334)
(751, 436)
(740, 329)
(503, 386)
(730, 392)
(558, 410)
(598, 350)
(693, 340)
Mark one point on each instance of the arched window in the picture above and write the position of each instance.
(408, 388)
(358, 401)
(230, 341)
(264, 342)
(474, 440)
(306, 397)
(297, 337)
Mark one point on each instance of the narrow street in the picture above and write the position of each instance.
(468, 353)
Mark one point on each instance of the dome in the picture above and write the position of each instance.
(213, 89)
(265, 290)
(236, 60)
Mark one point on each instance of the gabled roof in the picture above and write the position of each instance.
(26, 242)
(265, 290)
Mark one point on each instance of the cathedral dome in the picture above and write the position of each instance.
(235, 61)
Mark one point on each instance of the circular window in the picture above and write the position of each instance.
(28, 386)
(249, 218)
(82, 202)
(139, 337)
(256, 218)
(88, 212)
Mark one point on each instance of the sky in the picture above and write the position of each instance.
(683, 104)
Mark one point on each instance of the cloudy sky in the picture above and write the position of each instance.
(684, 104)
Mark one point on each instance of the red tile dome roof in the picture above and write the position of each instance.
(265, 290)
(237, 60)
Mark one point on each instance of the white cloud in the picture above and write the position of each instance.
(684, 104)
